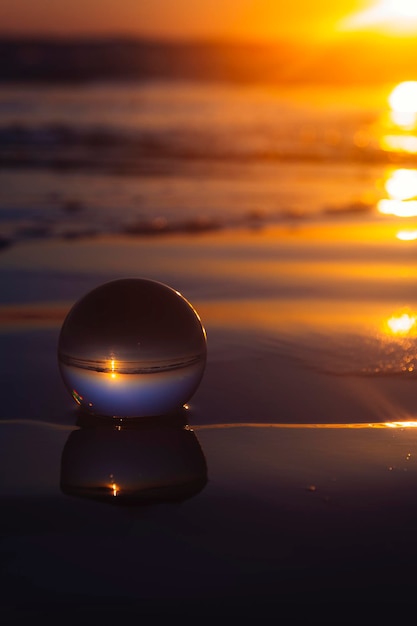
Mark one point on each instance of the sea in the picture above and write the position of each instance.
(283, 206)
(166, 148)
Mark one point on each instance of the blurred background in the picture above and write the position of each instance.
(155, 117)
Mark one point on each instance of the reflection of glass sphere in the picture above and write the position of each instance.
(132, 348)
(138, 465)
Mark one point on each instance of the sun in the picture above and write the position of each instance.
(404, 8)
(390, 16)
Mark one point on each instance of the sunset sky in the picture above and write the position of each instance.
(208, 19)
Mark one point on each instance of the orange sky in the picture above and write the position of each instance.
(236, 19)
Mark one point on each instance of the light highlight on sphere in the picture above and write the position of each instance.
(132, 348)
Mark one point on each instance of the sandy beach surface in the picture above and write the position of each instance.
(305, 418)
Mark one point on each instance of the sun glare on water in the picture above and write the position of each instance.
(403, 116)
(401, 188)
(401, 184)
(403, 98)
(403, 106)
(407, 235)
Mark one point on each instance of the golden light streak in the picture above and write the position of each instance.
(115, 489)
(407, 424)
(410, 423)
(369, 425)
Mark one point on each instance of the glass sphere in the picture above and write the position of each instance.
(132, 348)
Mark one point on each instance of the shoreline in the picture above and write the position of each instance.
(319, 511)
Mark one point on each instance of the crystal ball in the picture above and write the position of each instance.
(132, 348)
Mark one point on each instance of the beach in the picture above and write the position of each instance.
(304, 415)
(282, 223)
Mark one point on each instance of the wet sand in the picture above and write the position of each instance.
(305, 416)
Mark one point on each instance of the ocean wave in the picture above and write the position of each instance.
(122, 151)
(375, 355)
(74, 221)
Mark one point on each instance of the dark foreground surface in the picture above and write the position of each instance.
(304, 421)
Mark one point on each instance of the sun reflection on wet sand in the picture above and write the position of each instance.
(401, 324)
